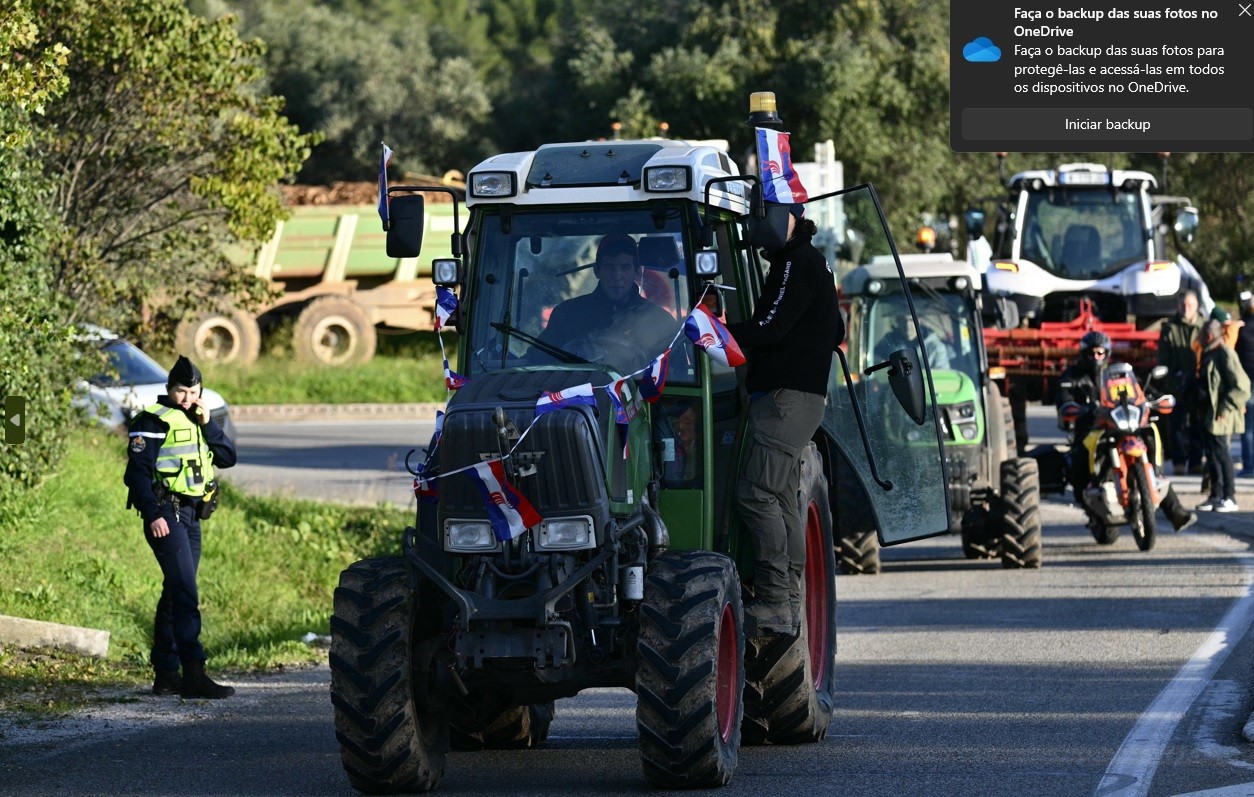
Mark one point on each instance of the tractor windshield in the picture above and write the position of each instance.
(1083, 233)
(560, 286)
(948, 339)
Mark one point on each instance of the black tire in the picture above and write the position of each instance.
(388, 743)
(1019, 514)
(977, 541)
(229, 336)
(513, 728)
(857, 547)
(1105, 535)
(690, 677)
(333, 330)
(1141, 509)
(790, 683)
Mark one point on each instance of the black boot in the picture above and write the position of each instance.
(197, 684)
(1180, 517)
(167, 682)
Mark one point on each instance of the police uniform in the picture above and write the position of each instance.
(170, 474)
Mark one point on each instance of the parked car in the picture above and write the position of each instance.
(133, 381)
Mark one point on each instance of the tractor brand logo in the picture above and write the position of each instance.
(520, 457)
(771, 166)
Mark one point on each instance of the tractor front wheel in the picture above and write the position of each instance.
(1019, 513)
(691, 675)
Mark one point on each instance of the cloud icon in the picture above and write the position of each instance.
(981, 50)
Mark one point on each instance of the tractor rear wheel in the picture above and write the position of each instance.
(388, 742)
(857, 547)
(1019, 514)
(691, 675)
(790, 682)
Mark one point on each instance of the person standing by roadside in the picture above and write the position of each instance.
(1175, 350)
(1224, 391)
(789, 342)
(174, 449)
(1245, 355)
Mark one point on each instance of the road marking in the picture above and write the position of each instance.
(1239, 790)
(1131, 771)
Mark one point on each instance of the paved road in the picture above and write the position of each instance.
(1108, 671)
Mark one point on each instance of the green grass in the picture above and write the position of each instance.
(407, 368)
(73, 554)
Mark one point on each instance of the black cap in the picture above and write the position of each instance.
(184, 373)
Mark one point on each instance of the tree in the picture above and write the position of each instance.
(163, 152)
(38, 349)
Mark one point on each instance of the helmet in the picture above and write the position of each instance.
(1094, 340)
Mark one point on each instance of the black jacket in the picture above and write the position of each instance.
(634, 319)
(141, 461)
(796, 325)
(1084, 378)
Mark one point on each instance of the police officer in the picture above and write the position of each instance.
(174, 449)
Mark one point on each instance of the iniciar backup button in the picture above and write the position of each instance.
(1140, 125)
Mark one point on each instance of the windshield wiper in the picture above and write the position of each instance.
(547, 348)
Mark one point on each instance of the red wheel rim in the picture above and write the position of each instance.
(817, 584)
(726, 694)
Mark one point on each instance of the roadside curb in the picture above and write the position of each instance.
(37, 633)
(273, 413)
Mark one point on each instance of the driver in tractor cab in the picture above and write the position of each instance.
(1080, 385)
(901, 335)
(614, 311)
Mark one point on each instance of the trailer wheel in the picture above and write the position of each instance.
(857, 547)
(333, 330)
(977, 541)
(790, 683)
(691, 675)
(513, 728)
(388, 742)
(1019, 513)
(231, 336)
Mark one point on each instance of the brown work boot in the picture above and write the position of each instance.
(167, 682)
(196, 684)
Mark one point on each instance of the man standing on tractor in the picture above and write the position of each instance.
(1175, 350)
(1081, 382)
(789, 341)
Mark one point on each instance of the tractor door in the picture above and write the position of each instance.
(883, 418)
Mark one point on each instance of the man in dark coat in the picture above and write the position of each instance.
(789, 343)
(1225, 390)
(1175, 350)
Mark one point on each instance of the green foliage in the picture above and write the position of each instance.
(37, 350)
(163, 152)
(268, 565)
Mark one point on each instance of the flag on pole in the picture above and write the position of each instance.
(703, 329)
(780, 182)
(445, 306)
(452, 379)
(555, 400)
(424, 486)
(654, 378)
(383, 183)
(509, 512)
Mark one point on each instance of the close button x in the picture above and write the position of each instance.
(1245, 10)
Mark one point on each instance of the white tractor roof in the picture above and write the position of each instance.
(883, 267)
(1086, 174)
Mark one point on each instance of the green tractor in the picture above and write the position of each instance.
(994, 496)
(631, 571)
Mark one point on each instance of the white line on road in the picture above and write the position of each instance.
(1132, 769)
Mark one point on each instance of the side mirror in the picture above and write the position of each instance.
(974, 220)
(1186, 224)
(405, 212)
(767, 224)
(1006, 312)
(905, 377)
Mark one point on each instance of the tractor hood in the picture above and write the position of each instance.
(952, 386)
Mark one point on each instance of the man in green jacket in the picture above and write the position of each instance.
(1175, 350)
(1226, 389)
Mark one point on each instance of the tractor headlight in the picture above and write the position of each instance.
(1126, 418)
(492, 184)
(565, 534)
(968, 431)
(965, 410)
(667, 179)
(469, 535)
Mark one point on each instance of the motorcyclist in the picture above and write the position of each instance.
(1080, 384)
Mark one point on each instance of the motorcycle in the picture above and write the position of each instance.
(1126, 488)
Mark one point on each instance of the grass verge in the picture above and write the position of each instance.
(71, 553)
